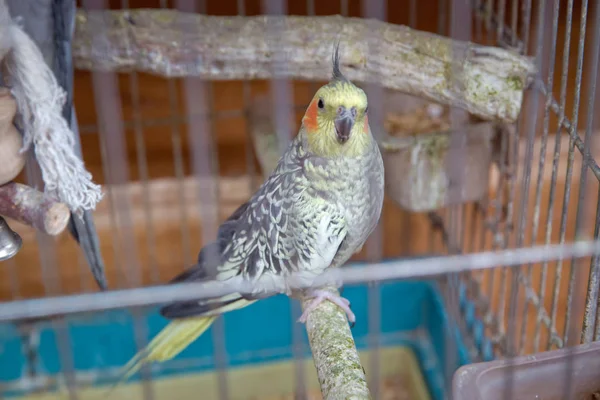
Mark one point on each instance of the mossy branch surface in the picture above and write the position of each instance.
(340, 372)
(485, 81)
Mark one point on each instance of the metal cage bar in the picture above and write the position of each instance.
(504, 296)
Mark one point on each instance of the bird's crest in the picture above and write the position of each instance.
(337, 73)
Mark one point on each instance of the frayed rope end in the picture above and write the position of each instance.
(40, 100)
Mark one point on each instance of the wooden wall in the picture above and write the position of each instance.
(167, 241)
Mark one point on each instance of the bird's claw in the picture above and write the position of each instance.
(320, 296)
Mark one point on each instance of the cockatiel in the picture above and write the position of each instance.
(316, 209)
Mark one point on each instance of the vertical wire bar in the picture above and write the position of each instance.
(281, 88)
(63, 342)
(512, 184)
(596, 259)
(596, 122)
(489, 10)
(503, 243)
(477, 5)
(460, 29)
(494, 224)
(49, 264)
(282, 95)
(142, 161)
(109, 198)
(176, 141)
(539, 184)
(455, 244)
(595, 266)
(470, 277)
(11, 271)
(412, 14)
(463, 231)
(552, 195)
(530, 130)
(295, 307)
(198, 95)
(64, 20)
(507, 182)
(450, 293)
(344, 7)
(478, 217)
(514, 20)
(405, 218)
(108, 108)
(573, 307)
(570, 160)
(253, 182)
(499, 201)
(541, 165)
(516, 273)
(52, 287)
(486, 199)
(441, 30)
(580, 228)
(442, 16)
(374, 10)
(525, 24)
(478, 211)
(500, 25)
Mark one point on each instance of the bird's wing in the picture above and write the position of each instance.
(285, 227)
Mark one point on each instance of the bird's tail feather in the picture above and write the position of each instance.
(174, 338)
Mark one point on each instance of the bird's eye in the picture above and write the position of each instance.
(366, 109)
(320, 104)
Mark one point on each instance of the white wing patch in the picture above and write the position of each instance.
(328, 238)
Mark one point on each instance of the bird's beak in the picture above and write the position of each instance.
(343, 126)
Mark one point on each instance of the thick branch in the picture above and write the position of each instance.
(31, 207)
(340, 372)
(486, 81)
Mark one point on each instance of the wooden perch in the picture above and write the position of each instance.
(340, 372)
(31, 207)
(486, 81)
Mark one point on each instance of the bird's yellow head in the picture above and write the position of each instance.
(336, 122)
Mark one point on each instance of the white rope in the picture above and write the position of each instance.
(40, 100)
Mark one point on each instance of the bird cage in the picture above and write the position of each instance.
(480, 281)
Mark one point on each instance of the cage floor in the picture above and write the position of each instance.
(401, 379)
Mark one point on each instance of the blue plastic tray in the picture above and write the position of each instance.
(412, 314)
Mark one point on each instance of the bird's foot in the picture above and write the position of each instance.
(320, 296)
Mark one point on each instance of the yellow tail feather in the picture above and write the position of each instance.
(172, 340)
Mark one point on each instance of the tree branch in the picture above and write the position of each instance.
(340, 372)
(489, 82)
(31, 207)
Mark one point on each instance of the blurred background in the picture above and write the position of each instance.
(150, 221)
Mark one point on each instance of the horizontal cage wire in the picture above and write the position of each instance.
(497, 276)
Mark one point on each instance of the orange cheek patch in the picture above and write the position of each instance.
(366, 124)
(310, 118)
